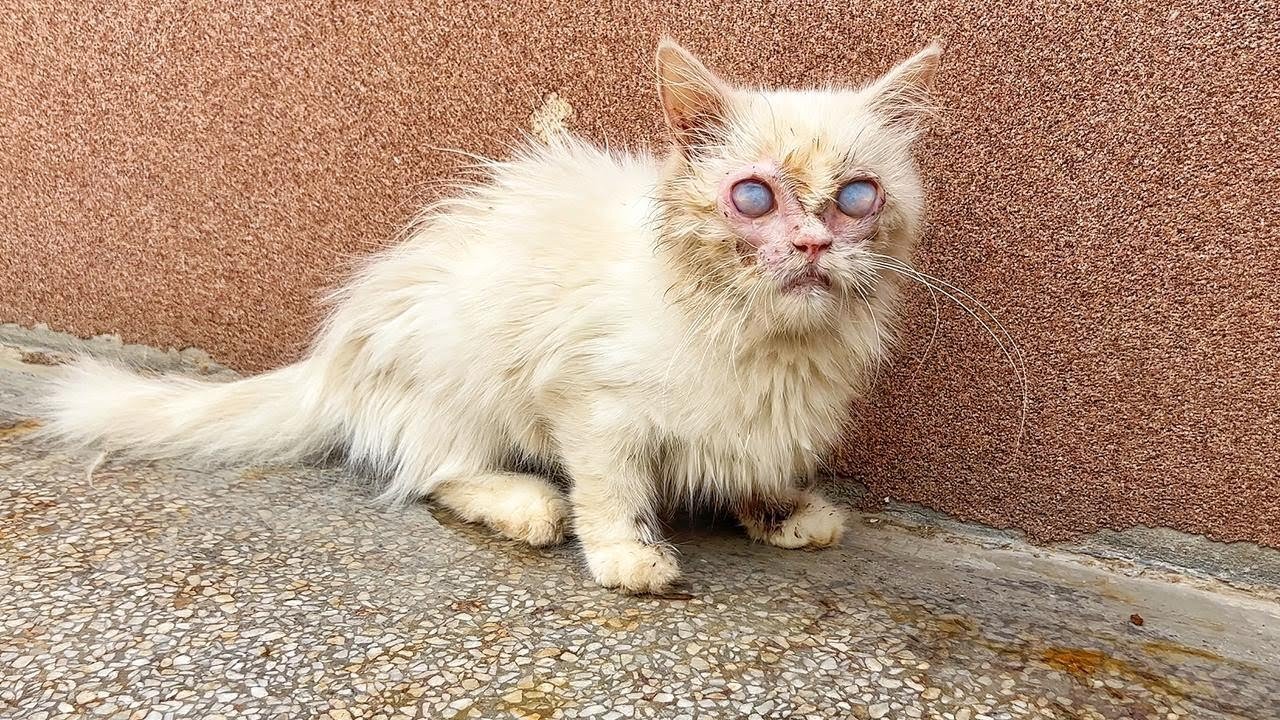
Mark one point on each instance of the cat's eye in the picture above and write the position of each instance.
(752, 198)
(858, 199)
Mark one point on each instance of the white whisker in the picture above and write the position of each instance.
(1012, 352)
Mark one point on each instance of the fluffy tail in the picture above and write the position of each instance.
(260, 419)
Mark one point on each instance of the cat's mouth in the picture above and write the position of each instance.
(810, 279)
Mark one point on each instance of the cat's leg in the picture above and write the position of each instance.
(792, 519)
(521, 506)
(458, 467)
(615, 519)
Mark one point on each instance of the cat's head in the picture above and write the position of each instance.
(791, 199)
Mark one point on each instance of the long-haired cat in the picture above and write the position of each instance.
(687, 329)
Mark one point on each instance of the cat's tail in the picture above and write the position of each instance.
(260, 419)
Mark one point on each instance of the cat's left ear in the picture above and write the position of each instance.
(904, 95)
(696, 101)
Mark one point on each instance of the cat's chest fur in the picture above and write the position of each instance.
(763, 419)
(734, 418)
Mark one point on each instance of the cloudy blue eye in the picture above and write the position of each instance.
(858, 199)
(752, 198)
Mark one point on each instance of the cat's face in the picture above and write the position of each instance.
(792, 198)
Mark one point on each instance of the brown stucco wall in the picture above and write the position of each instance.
(1107, 178)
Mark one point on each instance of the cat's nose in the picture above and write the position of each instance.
(812, 246)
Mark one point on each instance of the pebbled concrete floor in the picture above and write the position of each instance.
(163, 591)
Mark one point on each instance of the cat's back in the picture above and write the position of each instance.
(560, 220)
(567, 197)
(556, 246)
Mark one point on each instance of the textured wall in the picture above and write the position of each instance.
(1107, 179)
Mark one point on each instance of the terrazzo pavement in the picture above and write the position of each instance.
(165, 591)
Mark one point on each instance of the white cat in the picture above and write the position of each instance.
(691, 329)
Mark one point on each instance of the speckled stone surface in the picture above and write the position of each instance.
(158, 591)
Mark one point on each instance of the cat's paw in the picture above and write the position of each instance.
(633, 567)
(815, 523)
(539, 521)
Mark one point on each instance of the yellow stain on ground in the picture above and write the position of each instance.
(20, 427)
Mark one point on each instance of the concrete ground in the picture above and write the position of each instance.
(169, 591)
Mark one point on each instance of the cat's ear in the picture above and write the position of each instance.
(904, 95)
(696, 101)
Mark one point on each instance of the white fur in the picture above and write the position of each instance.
(538, 316)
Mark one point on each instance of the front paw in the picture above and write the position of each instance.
(815, 523)
(633, 567)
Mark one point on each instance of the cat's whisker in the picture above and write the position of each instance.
(1003, 339)
(875, 326)
(961, 292)
(1013, 356)
(933, 336)
(685, 340)
(480, 160)
(740, 331)
(702, 320)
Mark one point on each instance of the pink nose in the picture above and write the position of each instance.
(812, 247)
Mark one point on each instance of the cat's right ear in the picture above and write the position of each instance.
(695, 100)
(904, 95)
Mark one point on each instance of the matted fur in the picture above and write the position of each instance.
(592, 310)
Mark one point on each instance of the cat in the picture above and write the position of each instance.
(689, 329)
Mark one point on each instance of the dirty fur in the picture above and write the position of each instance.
(606, 313)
